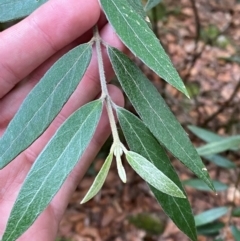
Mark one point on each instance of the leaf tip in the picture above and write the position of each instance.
(179, 194)
(210, 184)
(183, 196)
(83, 201)
(185, 92)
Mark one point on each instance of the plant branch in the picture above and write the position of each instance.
(112, 121)
(226, 104)
(197, 21)
(196, 54)
(105, 95)
(100, 63)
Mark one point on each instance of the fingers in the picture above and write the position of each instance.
(103, 131)
(36, 38)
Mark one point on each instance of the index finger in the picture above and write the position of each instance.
(32, 41)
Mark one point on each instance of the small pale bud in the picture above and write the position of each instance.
(117, 150)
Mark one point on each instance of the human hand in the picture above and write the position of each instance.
(28, 49)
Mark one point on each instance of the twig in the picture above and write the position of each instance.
(197, 22)
(223, 106)
(196, 55)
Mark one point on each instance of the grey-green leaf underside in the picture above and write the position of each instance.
(220, 161)
(152, 175)
(235, 233)
(208, 136)
(135, 33)
(210, 215)
(44, 102)
(198, 184)
(52, 167)
(205, 134)
(141, 140)
(16, 9)
(155, 113)
(211, 137)
(220, 146)
(99, 180)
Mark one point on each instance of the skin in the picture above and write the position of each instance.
(28, 49)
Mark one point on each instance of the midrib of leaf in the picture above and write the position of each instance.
(150, 53)
(135, 33)
(64, 133)
(52, 170)
(183, 216)
(50, 96)
(156, 113)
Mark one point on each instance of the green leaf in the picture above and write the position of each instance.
(138, 7)
(15, 9)
(204, 134)
(99, 180)
(151, 4)
(135, 33)
(210, 228)
(207, 135)
(149, 222)
(236, 212)
(121, 170)
(220, 161)
(52, 167)
(235, 233)
(44, 102)
(200, 185)
(219, 146)
(141, 140)
(155, 113)
(233, 58)
(210, 215)
(152, 175)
